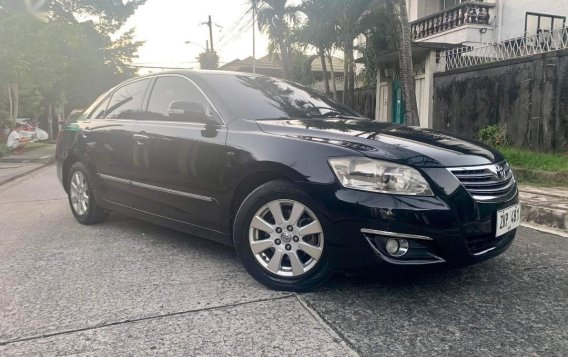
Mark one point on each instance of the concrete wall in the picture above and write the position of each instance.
(528, 96)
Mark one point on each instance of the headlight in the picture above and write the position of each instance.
(366, 174)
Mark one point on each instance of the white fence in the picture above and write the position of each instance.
(467, 56)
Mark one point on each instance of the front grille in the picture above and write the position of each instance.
(486, 182)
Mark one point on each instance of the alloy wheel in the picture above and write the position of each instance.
(79, 192)
(286, 238)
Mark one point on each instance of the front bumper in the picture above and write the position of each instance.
(451, 227)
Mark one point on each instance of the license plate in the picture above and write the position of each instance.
(508, 219)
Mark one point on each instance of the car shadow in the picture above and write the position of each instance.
(382, 276)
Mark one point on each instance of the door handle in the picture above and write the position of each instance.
(141, 139)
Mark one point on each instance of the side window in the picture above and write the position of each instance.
(168, 90)
(126, 102)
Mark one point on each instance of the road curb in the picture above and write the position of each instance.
(544, 216)
(547, 230)
(558, 178)
(20, 175)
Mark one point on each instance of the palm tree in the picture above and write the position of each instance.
(277, 17)
(398, 10)
(404, 41)
(348, 19)
(318, 32)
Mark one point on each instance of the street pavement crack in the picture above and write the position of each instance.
(330, 329)
(33, 201)
(154, 317)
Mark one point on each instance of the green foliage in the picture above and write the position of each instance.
(208, 60)
(526, 159)
(66, 61)
(319, 29)
(495, 136)
(4, 151)
(301, 68)
(379, 37)
(277, 18)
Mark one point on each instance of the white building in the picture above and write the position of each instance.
(439, 25)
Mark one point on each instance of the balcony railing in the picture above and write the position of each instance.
(518, 47)
(470, 12)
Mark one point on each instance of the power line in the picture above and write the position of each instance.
(244, 28)
(235, 25)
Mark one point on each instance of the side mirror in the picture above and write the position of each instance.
(187, 111)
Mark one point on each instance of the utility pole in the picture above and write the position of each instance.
(210, 24)
(253, 37)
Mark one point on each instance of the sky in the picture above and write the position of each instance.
(165, 26)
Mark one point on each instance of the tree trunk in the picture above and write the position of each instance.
(11, 104)
(349, 80)
(285, 59)
(332, 72)
(49, 117)
(404, 42)
(345, 74)
(325, 77)
(15, 102)
(351, 75)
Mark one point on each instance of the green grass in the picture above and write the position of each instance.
(4, 151)
(37, 145)
(526, 159)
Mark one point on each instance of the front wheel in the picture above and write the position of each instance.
(280, 238)
(81, 195)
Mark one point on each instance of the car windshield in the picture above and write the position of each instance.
(259, 97)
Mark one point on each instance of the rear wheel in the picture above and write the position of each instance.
(81, 195)
(280, 238)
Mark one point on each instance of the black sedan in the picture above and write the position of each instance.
(300, 185)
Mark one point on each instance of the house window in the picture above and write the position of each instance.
(539, 23)
(447, 4)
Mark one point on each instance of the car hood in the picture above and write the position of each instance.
(408, 145)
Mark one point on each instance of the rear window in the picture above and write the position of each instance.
(259, 97)
(126, 102)
(75, 116)
(96, 104)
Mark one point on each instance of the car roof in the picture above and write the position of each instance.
(197, 74)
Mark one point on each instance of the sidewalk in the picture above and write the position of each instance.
(547, 207)
(15, 166)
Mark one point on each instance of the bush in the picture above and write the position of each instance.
(4, 151)
(494, 135)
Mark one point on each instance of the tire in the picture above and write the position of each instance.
(282, 259)
(82, 196)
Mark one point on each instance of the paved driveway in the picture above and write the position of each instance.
(128, 287)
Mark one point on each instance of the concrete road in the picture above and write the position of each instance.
(130, 288)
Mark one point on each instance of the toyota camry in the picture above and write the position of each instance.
(300, 185)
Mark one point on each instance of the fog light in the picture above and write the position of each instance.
(392, 246)
(397, 247)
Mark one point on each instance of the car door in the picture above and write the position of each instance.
(107, 133)
(178, 161)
